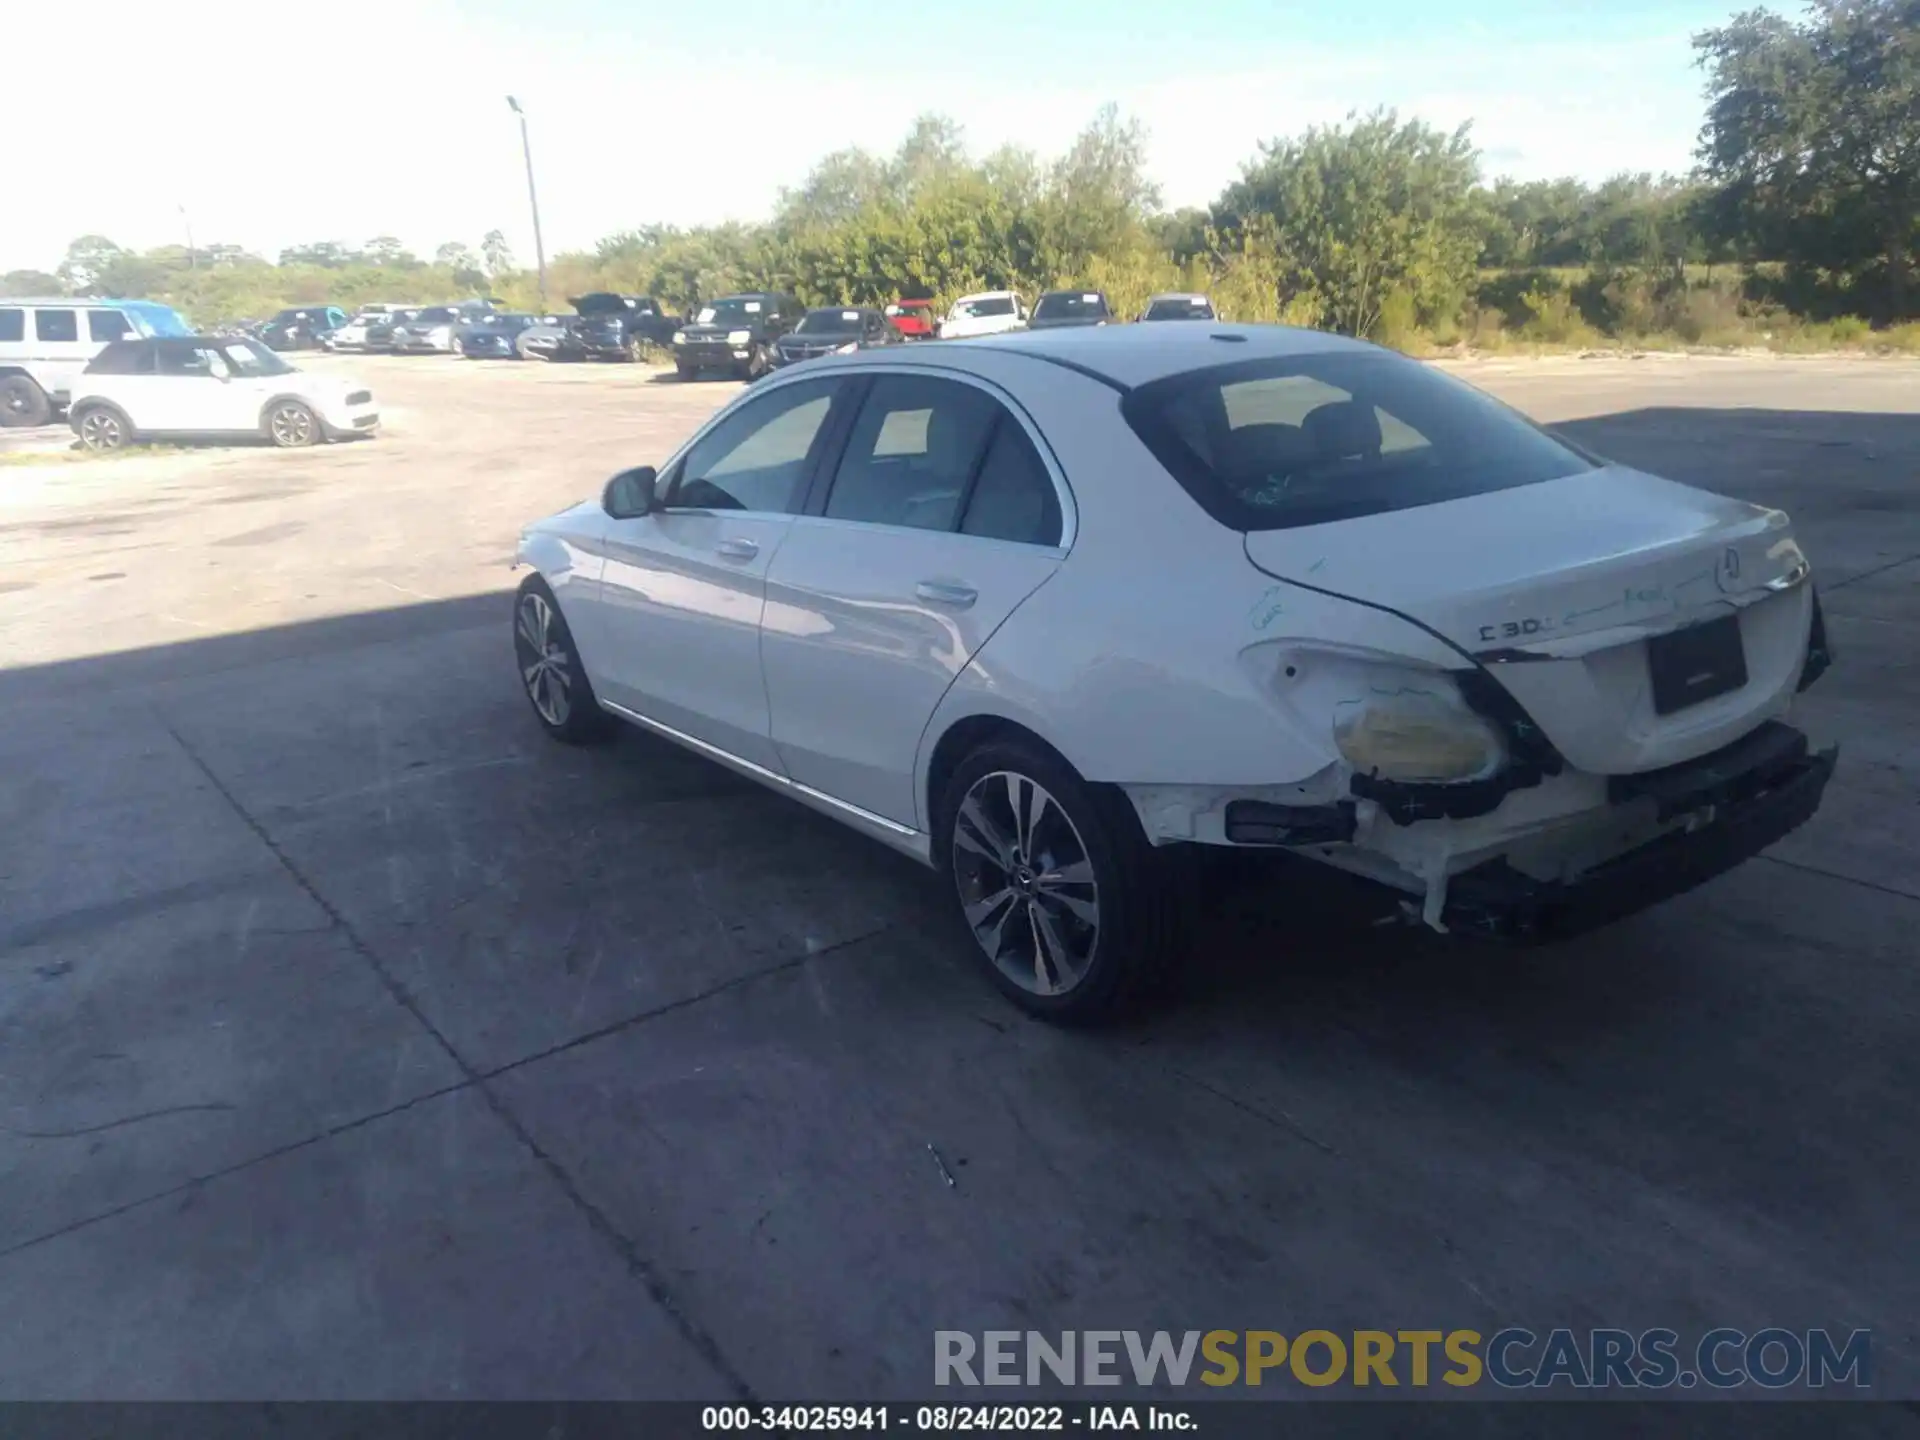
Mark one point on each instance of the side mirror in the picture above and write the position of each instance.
(629, 495)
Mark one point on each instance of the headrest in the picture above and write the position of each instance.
(1344, 429)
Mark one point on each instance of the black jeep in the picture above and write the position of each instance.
(735, 333)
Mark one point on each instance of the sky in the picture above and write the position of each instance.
(265, 123)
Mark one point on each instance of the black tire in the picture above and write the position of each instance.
(23, 403)
(636, 348)
(685, 371)
(559, 692)
(758, 363)
(101, 428)
(292, 425)
(1124, 954)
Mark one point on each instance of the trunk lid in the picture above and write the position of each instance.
(1558, 587)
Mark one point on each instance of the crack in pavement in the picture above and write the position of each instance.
(698, 1338)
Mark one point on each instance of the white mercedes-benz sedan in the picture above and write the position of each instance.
(1041, 608)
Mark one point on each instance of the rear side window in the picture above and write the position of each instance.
(1294, 440)
(913, 452)
(56, 325)
(1013, 498)
(13, 325)
(108, 325)
(123, 357)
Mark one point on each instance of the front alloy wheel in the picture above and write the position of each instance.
(551, 674)
(1026, 884)
(292, 425)
(102, 430)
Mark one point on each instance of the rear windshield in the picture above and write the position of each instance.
(1071, 307)
(1306, 439)
(1185, 308)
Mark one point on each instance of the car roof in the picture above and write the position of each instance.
(988, 295)
(69, 301)
(1130, 355)
(1071, 290)
(1179, 295)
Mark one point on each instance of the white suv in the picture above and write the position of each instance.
(46, 342)
(992, 312)
(207, 385)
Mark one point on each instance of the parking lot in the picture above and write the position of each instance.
(355, 1041)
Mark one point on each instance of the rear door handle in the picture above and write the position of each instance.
(942, 592)
(737, 549)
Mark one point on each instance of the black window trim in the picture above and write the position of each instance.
(820, 484)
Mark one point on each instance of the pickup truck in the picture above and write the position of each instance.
(606, 326)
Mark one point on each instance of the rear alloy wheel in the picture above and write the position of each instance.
(636, 350)
(102, 428)
(291, 425)
(758, 363)
(23, 403)
(551, 674)
(1057, 884)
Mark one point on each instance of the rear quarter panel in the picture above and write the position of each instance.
(1158, 653)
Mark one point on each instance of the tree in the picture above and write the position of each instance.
(455, 256)
(386, 250)
(327, 254)
(30, 282)
(86, 262)
(1814, 129)
(495, 255)
(1362, 210)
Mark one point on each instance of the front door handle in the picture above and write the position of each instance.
(943, 592)
(737, 549)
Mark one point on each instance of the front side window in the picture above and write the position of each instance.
(13, 325)
(186, 359)
(107, 325)
(912, 453)
(1294, 440)
(250, 357)
(757, 457)
(56, 325)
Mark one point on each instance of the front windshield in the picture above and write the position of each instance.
(980, 309)
(829, 322)
(1088, 306)
(734, 307)
(250, 357)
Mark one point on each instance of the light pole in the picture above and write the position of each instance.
(539, 247)
(187, 220)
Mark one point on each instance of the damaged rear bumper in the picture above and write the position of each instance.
(1735, 806)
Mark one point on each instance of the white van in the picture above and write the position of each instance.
(45, 342)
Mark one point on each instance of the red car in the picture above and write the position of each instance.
(912, 318)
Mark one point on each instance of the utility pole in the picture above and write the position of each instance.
(187, 220)
(533, 199)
